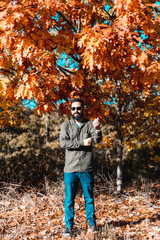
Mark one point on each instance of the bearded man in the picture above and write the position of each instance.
(76, 137)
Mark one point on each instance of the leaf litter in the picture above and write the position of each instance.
(31, 214)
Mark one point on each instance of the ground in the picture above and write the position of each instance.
(32, 214)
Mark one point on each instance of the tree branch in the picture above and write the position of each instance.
(111, 17)
(136, 133)
(75, 58)
(126, 103)
(7, 71)
(65, 70)
(70, 24)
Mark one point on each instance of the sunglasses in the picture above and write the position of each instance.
(74, 108)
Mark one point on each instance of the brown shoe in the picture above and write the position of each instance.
(92, 229)
(67, 233)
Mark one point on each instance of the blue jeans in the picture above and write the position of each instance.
(87, 183)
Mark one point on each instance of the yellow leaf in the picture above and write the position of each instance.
(2, 25)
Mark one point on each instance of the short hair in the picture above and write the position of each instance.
(78, 100)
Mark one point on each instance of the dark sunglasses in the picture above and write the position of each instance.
(74, 108)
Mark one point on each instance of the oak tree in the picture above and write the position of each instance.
(113, 47)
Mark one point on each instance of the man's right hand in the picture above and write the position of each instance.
(87, 142)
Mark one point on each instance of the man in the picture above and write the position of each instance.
(76, 137)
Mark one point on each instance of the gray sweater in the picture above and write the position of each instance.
(79, 158)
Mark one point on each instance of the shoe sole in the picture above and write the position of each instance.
(67, 235)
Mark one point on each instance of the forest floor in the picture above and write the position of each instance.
(32, 214)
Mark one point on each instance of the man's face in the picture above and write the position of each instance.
(76, 111)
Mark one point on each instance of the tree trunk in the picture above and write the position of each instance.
(119, 165)
(47, 124)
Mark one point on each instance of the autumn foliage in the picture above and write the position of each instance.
(109, 40)
(111, 51)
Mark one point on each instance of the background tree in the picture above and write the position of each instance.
(133, 122)
(26, 155)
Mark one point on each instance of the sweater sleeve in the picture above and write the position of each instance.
(95, 134)
(65, 138)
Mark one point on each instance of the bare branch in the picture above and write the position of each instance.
(69, 23)
(75, 58)
(7, 71)
(65, 70)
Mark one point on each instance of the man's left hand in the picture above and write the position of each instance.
(96, 123)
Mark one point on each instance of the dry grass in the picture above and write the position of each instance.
(31, 214)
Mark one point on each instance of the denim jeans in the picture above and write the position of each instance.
(87, 183)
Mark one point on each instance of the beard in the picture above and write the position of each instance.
(78, 116)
